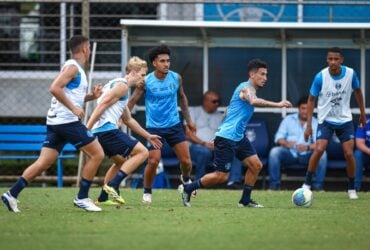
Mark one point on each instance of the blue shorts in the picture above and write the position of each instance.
(344, 132)
(172, 135)
(75, 133)
(225, 151)
(115, 142)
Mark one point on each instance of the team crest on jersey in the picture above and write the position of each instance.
(89, 134)
(338, 85)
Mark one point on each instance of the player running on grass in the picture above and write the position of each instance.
(112, 106)
(64, 126)
(231, 141)
(333, 86)
(162, 88)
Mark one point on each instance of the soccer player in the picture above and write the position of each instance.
(162, 87)
(230, 138)
(64, 126)
(112, 105)
(333, 86)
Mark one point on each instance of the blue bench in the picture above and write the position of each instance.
(25, 142)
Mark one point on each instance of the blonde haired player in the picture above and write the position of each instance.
(104, 122)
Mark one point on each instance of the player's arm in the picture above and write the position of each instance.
(248, 93)
(95, 94)
(183, 100)
(135, 126)
(361, 145)
(111, 97)
(138, 92)
(68, 73)
(360, 102)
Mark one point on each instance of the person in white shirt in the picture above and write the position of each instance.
(333, 87)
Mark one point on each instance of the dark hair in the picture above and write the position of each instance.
(255, 64)
(302, 100)
(75, 43)
(335, 50)
(155, 51)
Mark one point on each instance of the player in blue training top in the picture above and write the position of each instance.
(230, 138)
(64, 125)
(104, 122)
(162, 88)
(333, 86)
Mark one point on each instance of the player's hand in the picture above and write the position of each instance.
(79, 112)
(192, 127)
(363, 121)
(209, 145)
(155, 140)
(97, 91)
(307, 133)
(285, 104)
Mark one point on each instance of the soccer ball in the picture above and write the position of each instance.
(302, 197)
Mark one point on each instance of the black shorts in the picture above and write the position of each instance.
(172, 135)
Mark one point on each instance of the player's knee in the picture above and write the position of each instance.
(222, 177)
(153, 162)
(186, 162)
(348, 154)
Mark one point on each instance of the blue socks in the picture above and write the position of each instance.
(351, 183)
(116, 181)
(309, 176)
(18, 187)
(84, 189)
(246, 195)
(189, 188)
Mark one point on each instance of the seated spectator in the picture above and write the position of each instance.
(292, 147)
(206, 119)
(362, 152)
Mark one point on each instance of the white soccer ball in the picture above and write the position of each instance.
(302, 197)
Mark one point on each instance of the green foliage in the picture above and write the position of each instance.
(49, 221)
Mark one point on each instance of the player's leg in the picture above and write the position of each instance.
(47, 157)
(345, 134)
(324, 133)
(248, 155)
(182, 152)
(224, 153)
(150, 173)
(321, 172)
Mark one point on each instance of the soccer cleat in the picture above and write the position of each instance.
(86, 204)
(194, 193)
(113, 193)
(10, 202)
(306, 186)
(352, 194)
(147, 198)
(106, 203)
(252, 204)
(184, 196)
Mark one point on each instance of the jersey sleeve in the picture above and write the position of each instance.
(355, 81)
(316, 85)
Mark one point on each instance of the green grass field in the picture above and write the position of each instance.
(49, 221)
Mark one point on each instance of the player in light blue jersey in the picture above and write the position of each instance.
(126, 152)
(64, 126)
(162, 89)
(231, 141)
(333, 87)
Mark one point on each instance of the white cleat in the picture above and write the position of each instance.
(10, 202)
(147, 199)
(184, 196)
(86, 204)
(306, 186)
(352, 194)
